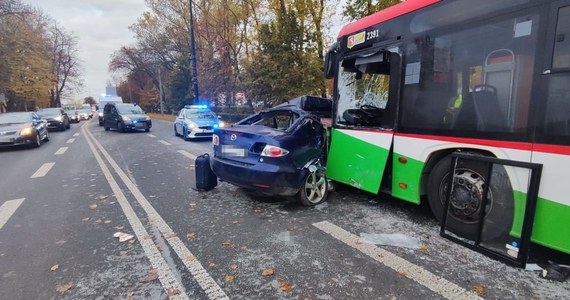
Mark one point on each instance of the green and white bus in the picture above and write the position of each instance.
(423, 79)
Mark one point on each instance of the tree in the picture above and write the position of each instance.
(65, 65)
(90, 100)
(356, 9)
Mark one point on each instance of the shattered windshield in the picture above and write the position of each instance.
(362, 91)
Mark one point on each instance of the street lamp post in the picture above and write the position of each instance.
(193, 56)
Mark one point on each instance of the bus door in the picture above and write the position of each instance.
(367, 92)
(553, 134)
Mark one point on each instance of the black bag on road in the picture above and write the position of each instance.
(205, 178)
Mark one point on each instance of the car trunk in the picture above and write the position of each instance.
(244, 143)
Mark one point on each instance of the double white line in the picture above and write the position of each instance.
(165, 274)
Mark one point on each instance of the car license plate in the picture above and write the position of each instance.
(5, 140)
(233, 151)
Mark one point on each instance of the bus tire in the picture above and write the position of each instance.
(466, 200)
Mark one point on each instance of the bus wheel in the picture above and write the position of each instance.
(466, 198)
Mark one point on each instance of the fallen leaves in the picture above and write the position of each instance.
(107, 221)
(119, 227)
(285, 286)
(403, 274)
(151, 275)
(258, 210)
(123, 253)
(190, 235)
(190, 258)
(64, 287)
(235, 222)
(211, 264)
(60, 242)
(267, 272)
(479, 289)
(93, 206)
(85, 219)
(102, 197)
(229, 278)
(172, 292)
(423, 248)
(226, 243)
(54, 268)
(130, 295)
(235, 267)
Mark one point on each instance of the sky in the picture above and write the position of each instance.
(102, 27)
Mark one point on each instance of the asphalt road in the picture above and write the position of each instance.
(57, 233)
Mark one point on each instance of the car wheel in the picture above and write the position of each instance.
(147, 129)
(466, 198)
(46, 139)
(120, 127)
(185, 134)
(314, 189)
(107, 128)
(68, 125)
(38, 141)
(175, 132)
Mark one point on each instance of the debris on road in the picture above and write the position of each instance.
(93, 206)
(235, 267)
(123, 237)
(64, 287)
(54, 268)
(190, 235)
(229, 278)
(172, 292)
(267, 272)
(285, 285)
(391, 239)
(556, 272)
(85, 219)
(533, 267)
(480, 290)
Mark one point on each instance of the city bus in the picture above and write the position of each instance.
(423, 79)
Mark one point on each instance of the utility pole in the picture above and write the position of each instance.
(193, 56)
(160, 92)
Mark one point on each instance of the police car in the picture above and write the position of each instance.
(196, 121)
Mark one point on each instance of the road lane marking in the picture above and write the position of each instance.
(165, 274)
(199, 273)
(43, 170)
(61, 151)
(188, 154)
(70, 141)
(76, 134)
(164, 142)
(8, 209)
(151, 135)
(416, 273)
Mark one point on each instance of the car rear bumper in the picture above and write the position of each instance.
(266, 178)
(53, 124)
(138, 125)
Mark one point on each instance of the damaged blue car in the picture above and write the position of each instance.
(278, 151)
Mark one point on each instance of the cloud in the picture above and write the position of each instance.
(102, 27)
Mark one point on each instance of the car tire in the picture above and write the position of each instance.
(38, 141)
(463, 222)
(68, 126)
(185, 134)
(175, 132)
(107, 128)
(147, 129)
(314, 189)
(120, 127)
(46, 139)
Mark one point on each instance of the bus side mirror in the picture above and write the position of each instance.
(330, 62)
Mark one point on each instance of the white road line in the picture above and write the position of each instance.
(206, 282)
(187, 154)
(165, 274)
(70, 141)
(43, 170)
(61, 151)
(76, 134)
(416, 273)
(151, 135)
(164, 142)
(8, 209)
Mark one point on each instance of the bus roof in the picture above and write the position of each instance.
(384, 15)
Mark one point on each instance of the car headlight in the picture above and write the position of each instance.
(26, 131)
(191, 125)
(100, 114)
(125, 118)
(221, 124)
(58, 118)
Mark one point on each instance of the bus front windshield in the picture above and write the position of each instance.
(362, 92)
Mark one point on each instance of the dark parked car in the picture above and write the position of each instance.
(125, 116)
(279, 151)
(56, 118)
(22, 128)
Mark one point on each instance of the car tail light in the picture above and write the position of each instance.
(215, 140)
(273, 151)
